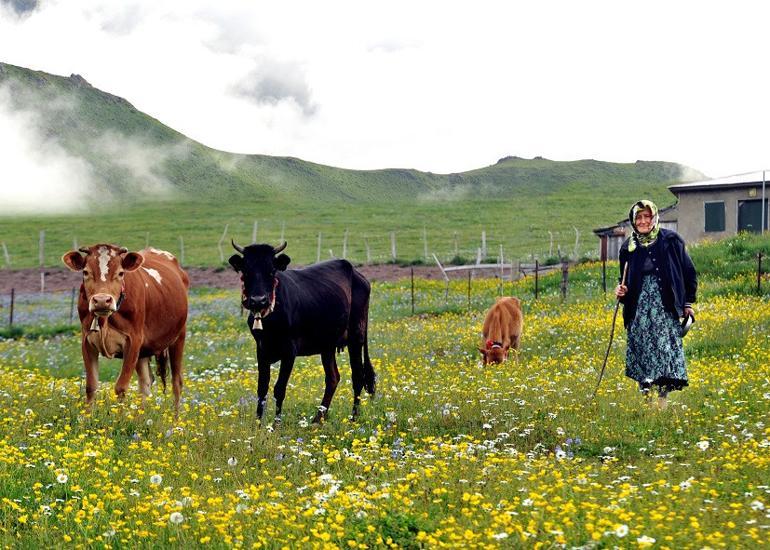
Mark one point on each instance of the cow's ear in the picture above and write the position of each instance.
(74, 260)
(483, 351)
(132, 261)
(236, 261)
(281, 261)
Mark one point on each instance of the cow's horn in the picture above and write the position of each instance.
(123, 250)
(279, 248)
(84, 250)
(235, 246)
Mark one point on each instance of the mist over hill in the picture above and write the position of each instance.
(76, 145)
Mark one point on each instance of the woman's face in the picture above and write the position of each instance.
(643, 221)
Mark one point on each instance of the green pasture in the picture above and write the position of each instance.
(453, 229)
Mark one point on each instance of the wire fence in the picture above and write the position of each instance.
(45, 248)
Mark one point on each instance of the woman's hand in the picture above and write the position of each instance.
(620, 291)
(688, 311)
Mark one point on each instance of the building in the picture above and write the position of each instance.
(711, 209)
(722, 207)
(610, 238)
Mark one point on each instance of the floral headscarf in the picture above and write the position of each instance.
(639, 238)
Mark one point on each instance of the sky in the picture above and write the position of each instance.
(439, 86)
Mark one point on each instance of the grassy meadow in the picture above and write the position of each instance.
(453, 228)
(447, 454)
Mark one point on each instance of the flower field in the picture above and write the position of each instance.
(448, 453)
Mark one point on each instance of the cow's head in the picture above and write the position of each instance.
(103, 267)
(494, 352)
(258, 265)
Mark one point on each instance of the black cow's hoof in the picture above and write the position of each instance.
(371, 386)
(356, 411)
(319, 418)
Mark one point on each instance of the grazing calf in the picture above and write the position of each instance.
(132, 305)
(317, 310)
(502, 330)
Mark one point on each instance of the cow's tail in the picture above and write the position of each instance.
(161, 360)
(370, 377)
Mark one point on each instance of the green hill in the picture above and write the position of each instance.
(135, 159)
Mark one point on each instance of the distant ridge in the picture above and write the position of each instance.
(128, 151)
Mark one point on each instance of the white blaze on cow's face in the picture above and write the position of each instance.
(104, 267)
(104, 262)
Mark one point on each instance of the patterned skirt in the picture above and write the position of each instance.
(654, 356)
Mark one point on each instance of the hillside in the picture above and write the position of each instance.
(98, 128)
(108, 152)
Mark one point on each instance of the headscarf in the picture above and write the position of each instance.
(640, 238)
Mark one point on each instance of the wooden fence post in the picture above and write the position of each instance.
(318, 249)
(219, 244)
(537, 269)
(759, 272)
(7, 256)
(13, 300)
(254, 232)
(393, 245)
(181, 251)
(412, 272)
(564, 280)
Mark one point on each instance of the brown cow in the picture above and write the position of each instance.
(502, 330)
(132, 305)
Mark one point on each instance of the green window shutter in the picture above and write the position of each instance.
(715, 216)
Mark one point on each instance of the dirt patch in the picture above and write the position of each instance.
(58, 279)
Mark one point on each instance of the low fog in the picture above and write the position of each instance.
(42, 177)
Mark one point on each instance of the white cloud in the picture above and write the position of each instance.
(437, 86)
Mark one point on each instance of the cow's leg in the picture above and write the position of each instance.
(355, 351)
(91, 363)
(331, 380)
(279, 391)
(516, 345)
(176, 357)
(130, 358)
(263, 383)
(143, 374)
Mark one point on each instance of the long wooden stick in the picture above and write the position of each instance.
(612, 333)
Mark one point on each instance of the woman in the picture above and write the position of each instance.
(659, 289)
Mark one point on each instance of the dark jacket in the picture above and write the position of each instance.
(673, 267)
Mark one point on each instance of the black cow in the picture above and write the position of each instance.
(316, 310)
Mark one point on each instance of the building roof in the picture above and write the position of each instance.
(749, 179)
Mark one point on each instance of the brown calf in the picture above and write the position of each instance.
(132, 305)
(502, 330)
